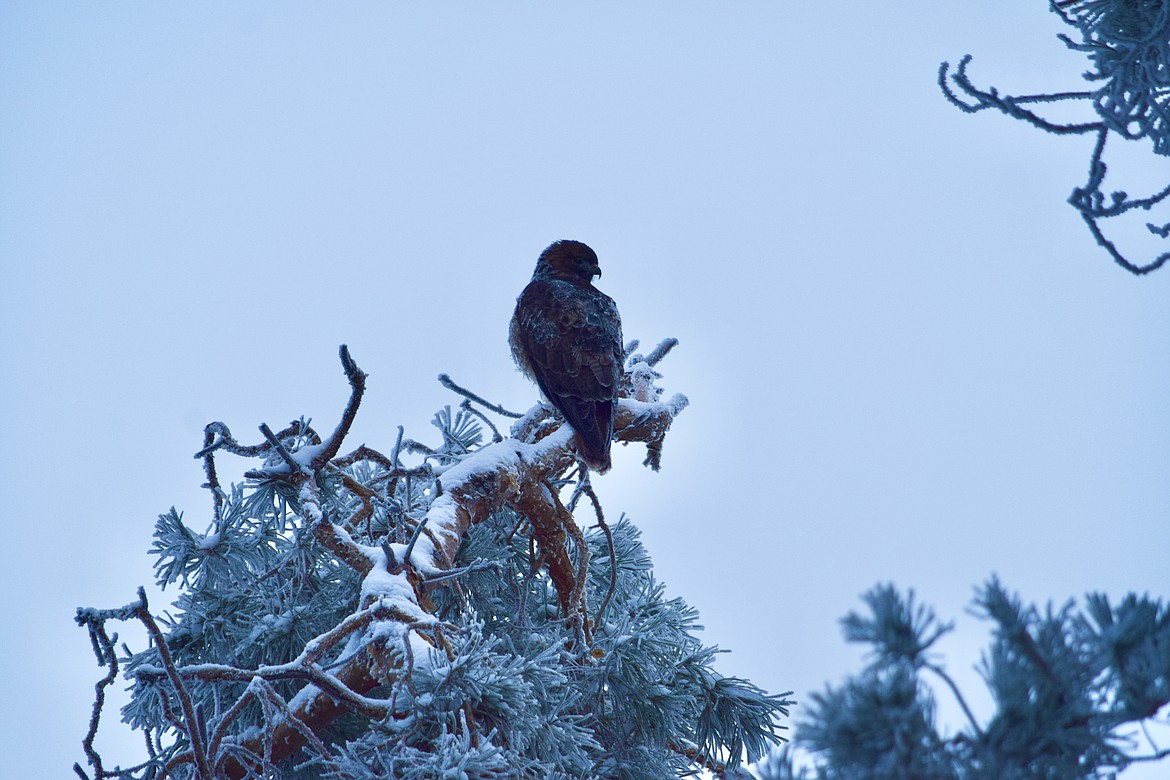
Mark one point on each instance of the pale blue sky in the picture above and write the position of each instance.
(906, 359)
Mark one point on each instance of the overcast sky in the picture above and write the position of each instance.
(907, 360)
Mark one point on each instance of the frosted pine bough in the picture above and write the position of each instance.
(356, 616)
(1127, 43)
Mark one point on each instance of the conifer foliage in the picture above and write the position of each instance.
(1075, 690)
(432, 612)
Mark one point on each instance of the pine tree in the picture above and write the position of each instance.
(357, 616)
(1071, 687)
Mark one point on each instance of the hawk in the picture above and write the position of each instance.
(566, 335)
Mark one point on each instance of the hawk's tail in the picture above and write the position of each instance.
(592, 421)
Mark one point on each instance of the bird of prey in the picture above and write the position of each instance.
(566, 335)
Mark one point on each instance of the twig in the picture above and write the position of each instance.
(581, 474)
(333, 536)
(424, 470)
(583, 554)
(176, 761)
(1006, 103)
(104, 649)
(226, 721)
(410, 445)
(285, 455)
(413, 540)
(534, 564)
(495, 431)
(661, 351)
(448, 383)
(198, 749)
(357, 383)
(1087, 200)
(325, 450)
(303, 667)
(290, 717)
(958, 696)
(364, 453)
(269, 711)
(472, 568)
(397, 447)
(227, 442)
(1149, 738)
(519, 524)
(612, 560)
(212, 480)
(366, 496)
(1153, 757)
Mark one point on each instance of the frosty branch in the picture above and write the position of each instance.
(1128, 43)
(353, 613)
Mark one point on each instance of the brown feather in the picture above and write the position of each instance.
(566, 335)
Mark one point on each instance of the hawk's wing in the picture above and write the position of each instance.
(569, 339)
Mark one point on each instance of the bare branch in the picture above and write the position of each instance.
(281, 450)
(221, 438)
(333, 536)
(612, 556)
(365, 453)
(1007, 104)
(104, 649)
(448, 383)
(212, 479)
(357, 383)
(958, 697)
(487, 421)
(198, 749)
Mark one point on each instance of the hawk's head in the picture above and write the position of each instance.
(570, 261)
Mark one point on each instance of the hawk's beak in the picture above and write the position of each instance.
(595, 271)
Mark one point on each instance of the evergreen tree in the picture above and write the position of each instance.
(1071, 688)
(357, 616)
